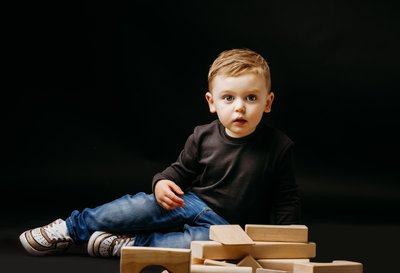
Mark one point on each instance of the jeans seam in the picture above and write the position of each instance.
(200, 214)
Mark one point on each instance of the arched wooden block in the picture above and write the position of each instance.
(135, 259)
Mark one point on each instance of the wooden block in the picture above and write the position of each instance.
(260, 250)
(219, 263)
(333, 267)
(249, 261)
(278, 233)
(265, 270)
(135, 259)
(219, 269)
(217, 251)
(283, 250)
(230, 235)
(281, 264)
(197, 261)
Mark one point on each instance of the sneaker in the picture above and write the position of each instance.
(105, 244)
(50, 239)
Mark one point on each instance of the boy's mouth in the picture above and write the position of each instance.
(239, 121)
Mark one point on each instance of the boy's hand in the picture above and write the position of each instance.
(166, 192)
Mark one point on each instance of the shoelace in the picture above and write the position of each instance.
(55, 232)
(119, 243)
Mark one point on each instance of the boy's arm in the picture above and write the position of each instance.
(287, 208)
(184, 170)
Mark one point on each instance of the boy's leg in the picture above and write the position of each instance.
(178, 239)
(196, 227)
(138, 215)
(105, 244)
(134, 214)
(197, 230)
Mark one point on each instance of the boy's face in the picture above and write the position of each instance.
(239, 102)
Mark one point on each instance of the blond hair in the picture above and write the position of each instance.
(236, 62)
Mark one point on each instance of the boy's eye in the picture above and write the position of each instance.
(251, 98)
(228, 98)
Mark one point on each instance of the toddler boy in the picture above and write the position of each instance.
(234, 170)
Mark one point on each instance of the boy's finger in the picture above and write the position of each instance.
(175, 200)
(177, 189)
(169, 205)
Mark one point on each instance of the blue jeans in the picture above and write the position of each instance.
(141, 216)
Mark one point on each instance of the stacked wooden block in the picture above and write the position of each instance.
(256, 249)
(263, 249)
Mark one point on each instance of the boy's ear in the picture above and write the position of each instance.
(268, 104)
(210, 101)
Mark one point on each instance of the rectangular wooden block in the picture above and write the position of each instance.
(197, 261)
(260, 250)
(264, 270)
(278, 233)
(135, 259)
(334, 267)
(281, 264)
(230, 235)
(219, 263)
(217, 251)
(219, 269)
(281, 250)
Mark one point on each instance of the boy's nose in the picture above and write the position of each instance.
(239, 106)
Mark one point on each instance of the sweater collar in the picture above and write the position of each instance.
(236, 140)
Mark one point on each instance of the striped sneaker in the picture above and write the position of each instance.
(103, 244)
(50, 239)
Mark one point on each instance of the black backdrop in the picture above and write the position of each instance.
(96, 89)
(98, 97)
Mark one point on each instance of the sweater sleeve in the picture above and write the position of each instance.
(286, 208)
(185, 169)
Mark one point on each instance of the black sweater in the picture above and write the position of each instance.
(247, 180)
